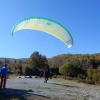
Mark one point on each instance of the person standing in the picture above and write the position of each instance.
(46, 75)
(4, 71)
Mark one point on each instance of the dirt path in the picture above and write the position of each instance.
(36, 89)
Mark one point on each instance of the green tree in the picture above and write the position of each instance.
(55, 70)
(28, 71)
(67, 69)
(20, 69)
(37, 60)
(98, 69)
(89, 72)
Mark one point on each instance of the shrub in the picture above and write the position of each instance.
(89, 78)
(81, 76)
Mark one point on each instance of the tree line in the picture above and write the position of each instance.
(72, 65)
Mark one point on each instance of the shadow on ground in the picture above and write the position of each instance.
(64, 85)
(19, 94)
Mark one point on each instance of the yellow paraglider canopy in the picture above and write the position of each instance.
(45, 25)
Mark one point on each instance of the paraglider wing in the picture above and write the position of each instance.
(45, 25)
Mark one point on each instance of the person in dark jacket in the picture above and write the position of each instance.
(46, 75)
(4, 71)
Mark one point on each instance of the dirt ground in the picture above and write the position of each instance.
(54, 89)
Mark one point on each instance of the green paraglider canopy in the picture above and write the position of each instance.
(45, 25)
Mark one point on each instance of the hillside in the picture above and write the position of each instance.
(79, 60)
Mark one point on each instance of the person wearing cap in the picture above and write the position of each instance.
(4, 71)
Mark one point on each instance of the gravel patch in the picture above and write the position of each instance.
(69, 90)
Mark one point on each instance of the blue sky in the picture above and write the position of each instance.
(80, 17)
